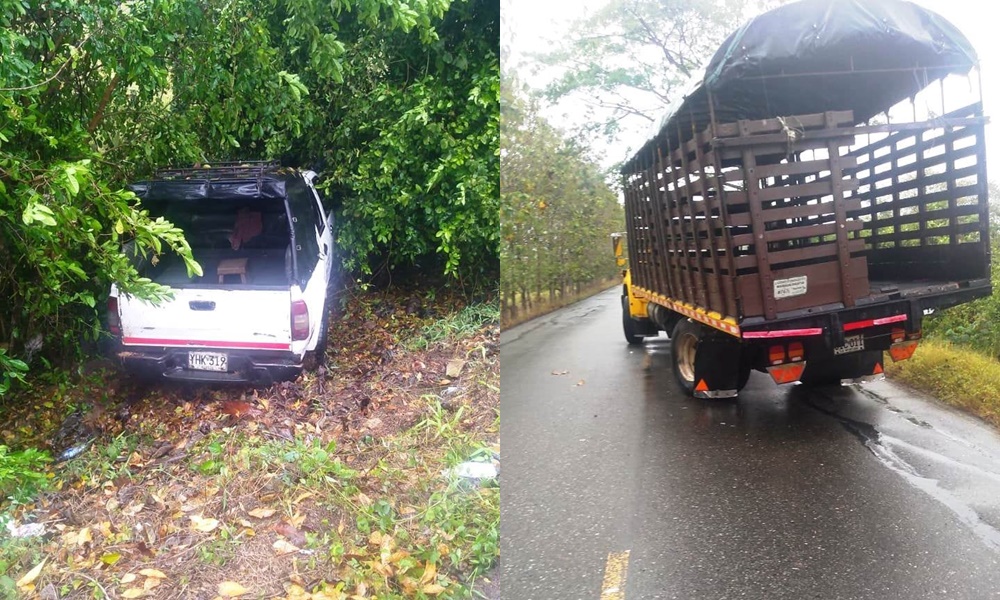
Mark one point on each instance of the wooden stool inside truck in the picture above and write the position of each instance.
(232, 266)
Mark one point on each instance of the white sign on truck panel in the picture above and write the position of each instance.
(793, 286)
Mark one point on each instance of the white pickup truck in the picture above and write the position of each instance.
(263, 240)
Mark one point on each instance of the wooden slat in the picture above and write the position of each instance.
(782, 147)
(801, 211)
(933, 232)
(805, 167)
(949, 213)
(663, 282)
(687, 225)
(840, 186)
(709, 198)
(805, 232)
(922, 181)
(760, 256)
(806, 190)
(678, 243)
(758, 126)
(801, 254)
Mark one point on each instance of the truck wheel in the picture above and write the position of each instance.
(630, 325)
(685, 340)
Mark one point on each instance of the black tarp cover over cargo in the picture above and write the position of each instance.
(814, 56)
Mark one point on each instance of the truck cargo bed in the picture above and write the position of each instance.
(771, 217)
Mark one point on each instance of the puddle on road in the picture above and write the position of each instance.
(882, 448)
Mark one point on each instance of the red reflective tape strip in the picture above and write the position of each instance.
(780, 333)
(206, 343)
(873, 322)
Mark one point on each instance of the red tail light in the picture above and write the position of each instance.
(776, 355)
(114, 320)
(300, 320)
(796, 352)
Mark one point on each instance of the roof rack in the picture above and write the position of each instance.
(208, 171)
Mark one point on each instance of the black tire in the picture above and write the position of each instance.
(684, 348)
(630, 325)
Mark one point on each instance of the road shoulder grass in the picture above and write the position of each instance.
(955, 375)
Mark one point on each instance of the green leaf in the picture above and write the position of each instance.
(111, 558)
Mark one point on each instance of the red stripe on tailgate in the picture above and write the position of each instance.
(207, 343)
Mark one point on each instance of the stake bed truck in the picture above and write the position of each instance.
(784, 219)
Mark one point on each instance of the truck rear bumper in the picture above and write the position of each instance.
(244, 366)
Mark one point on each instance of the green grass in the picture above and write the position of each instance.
(462, 324)
(955, 375)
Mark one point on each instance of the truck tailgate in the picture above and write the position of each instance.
(245, 319)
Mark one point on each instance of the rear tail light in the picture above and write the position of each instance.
(114, 320)
(796, 352)
(776, 355)
(898, 334)
(300, 320)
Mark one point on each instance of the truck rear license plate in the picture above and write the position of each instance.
(852, 343)
(208, 361)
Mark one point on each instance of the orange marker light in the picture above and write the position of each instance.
(898, 333)
(796, 352)
(902, 350)
(878, 369)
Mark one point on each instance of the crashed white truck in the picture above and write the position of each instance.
(261, 306)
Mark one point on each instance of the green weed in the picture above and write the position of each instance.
(464, 323)
(22, 473)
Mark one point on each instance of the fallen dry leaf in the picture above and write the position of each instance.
(202, 524)
(231, 589)
(128, 578)
(237, 408)
(135, 593)
(152, 573)
(84, 537)
(430, 572)
(433, 589)
(261, 513)
(579, 383)
(454, 368)
(283, 547)
(31, 575)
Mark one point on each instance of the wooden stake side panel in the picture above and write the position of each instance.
(764, 217)
(924, 201)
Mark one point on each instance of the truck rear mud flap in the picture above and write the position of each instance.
(718, 368)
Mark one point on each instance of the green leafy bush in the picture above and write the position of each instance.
(22, 472)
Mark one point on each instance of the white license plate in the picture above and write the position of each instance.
(853, 343)
(208, 361)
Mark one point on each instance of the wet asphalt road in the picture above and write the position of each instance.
(847, 493)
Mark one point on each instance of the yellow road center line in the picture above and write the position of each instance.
(615, 571)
